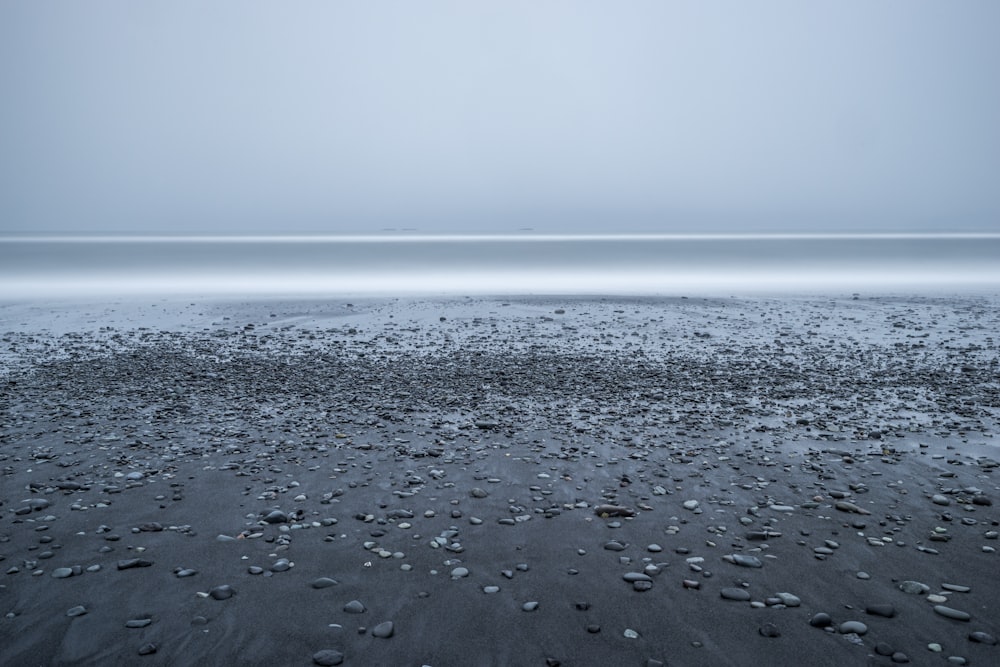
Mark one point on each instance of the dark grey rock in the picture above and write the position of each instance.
(328, 657)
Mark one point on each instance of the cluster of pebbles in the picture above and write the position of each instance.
(532, 481)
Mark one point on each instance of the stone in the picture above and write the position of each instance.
(130, 563)
(856, 627)
(738, 594)
(883, 610)
(223, 592)
(383, 630)
(328, 657)
(354, 607)
(914, 587)
(769, 630)
(789, 600)
(323, 582)
(745, 561)
(954, 614)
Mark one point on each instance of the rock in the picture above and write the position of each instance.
(744, 561)
(130, 563)
(354, 607)
(938, 499)
(323, 582)
(147, 649)
(982, 638)
(883, 610)
(478, 493)
(328, 657)
(845, 506)
(856, 627)
(605, 511)
(691, 504)
(138, 623)
(529, 606)
(281, 565)
(914, 587)
(738, 594)
(789, 600)
(62, 572)
(769, 630)
(78, 610)
(223, 592)
(276, 516)
(383, 630)
(954, 614)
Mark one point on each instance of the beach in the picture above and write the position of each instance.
(564, 480)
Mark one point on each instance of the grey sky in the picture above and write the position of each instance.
(481, 115)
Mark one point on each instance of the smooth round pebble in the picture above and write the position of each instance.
(354, 607)
(738, 594)
(383, 630)
(223, 592)
(857, 627)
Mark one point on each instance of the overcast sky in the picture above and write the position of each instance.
(253, 116)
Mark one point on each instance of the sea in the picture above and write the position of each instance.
(96, 266)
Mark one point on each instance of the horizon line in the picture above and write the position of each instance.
(15, 237)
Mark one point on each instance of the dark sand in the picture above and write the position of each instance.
(167, 431)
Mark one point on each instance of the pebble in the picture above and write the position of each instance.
(328, 657)
(323, 582)
(738, 594)
(78, 610)
(223, 592)
(62, 572)
(883, 610)
(130, 563)
(147, 649)
(354, 607)
(691, 504)
(789, 600)
(769, 630)
(745, 561)
(138, 623)
(383, 630)
(855, 627)
(821, 620)
(955, 614)
(914, 587)
(530, 606)
(980, 637)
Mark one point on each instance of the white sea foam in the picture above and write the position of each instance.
(37, 266)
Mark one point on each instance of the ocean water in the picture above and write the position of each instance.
(34, 267)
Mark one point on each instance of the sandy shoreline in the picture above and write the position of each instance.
(441, 461)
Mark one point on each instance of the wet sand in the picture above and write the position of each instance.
(522, 481)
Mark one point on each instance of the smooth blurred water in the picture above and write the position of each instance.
(37, 267)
